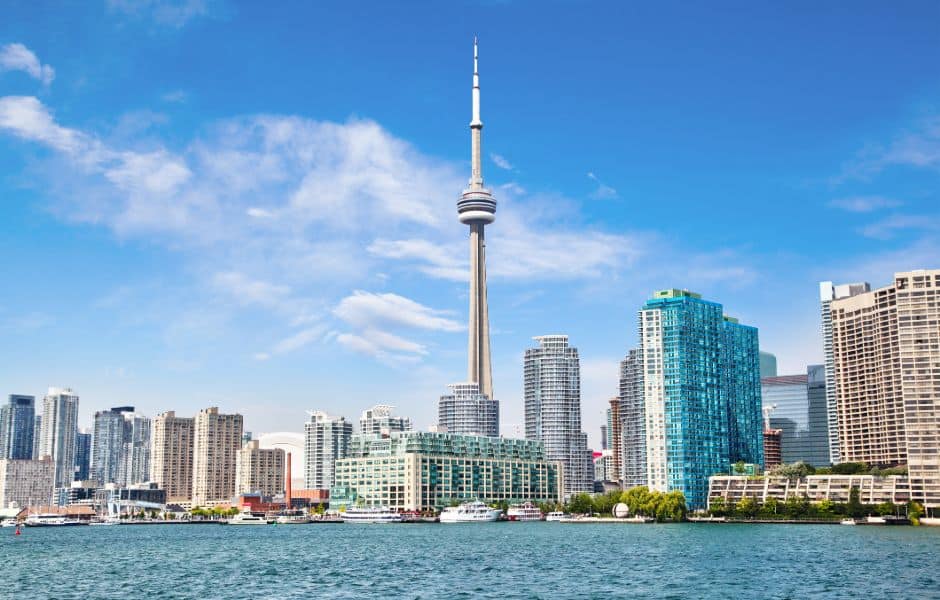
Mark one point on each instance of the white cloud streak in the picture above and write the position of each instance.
(17, 57)
(864, 204)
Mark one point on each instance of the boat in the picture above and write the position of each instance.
(247, 518)
(9, 523)
(637, 519)
(292, 519)
(51, 520)
(876, 520)
(556, 516)
(524, 512)
(847, 522)
(470, 512)
(370, 514)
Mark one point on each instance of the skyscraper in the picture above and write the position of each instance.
(59, 426)
(701, 377)
(135, 457)
(260, 470)
(82, 456)
(615, 440)
(800, 414)
(107, 447)
(171, 456)
(217, 438)
(379, 420)
(552, 375)
(467, 411)
(886, 352)
(326, 439)
(17, 420)
(37, 436)
(827, 293)
(633, 421)
(768, 364)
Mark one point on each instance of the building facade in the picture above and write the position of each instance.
(468, 411)
(326, 440)
(82, 456)
(552, 375)
(615, 444)
(292, 443)
(886, 354)
(135, 463)
(800, 413)
(731, 489)
(26, 482)
(260, 470)
(217, 438)
(17, 421)
(633, 420)
(379, 420)
(427, 471)
(107, 450)
(57, 438)
(171, 456)
(701, 374)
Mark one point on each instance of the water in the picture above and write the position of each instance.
(496, 560)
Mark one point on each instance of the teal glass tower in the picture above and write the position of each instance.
(701, 373)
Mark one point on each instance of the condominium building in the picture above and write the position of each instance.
(379, 420)
(615, 443)
(26, 482)
(135, 464)
(260, 470)
(731, 489)
(17, 419)
(701, 377)
(552, 374)
(799, 411)
(107, 449)
(292, 443)
(57, 437)
(217, 438)
(768, 364)
(466, 410)
(428, 471)
(886, 355)
(828, 292)
(82, 456)
(326, 440)
(633, 420)
(171, 456)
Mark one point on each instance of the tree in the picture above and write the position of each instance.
(672, 507)
(771, 507)
(636, 499)
(885, 508)
(849, 468)
(717, 507)
(581, 504)
(747, 508)
(793, 470)
(915, 511)
(739, 468)
(605, 503)
(854, 508)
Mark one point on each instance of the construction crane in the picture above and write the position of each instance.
(767, 410)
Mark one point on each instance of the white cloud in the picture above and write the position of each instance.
(603, 191)
(501, 162)
(864, 204)
(172, 13)
(887, 228)
(175, 97)
(364, 309)
(919, 148)
(17, 57)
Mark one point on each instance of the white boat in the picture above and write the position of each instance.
(51, 520)
(847, 522)
(247, 518)
(292, 519)
(8, 523)
(524, 512)
(470, 512)
(556, 516)
(876, 520)
(370, 514)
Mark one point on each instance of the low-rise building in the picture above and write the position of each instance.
(26, 482)
(731, 489)
(427, 471)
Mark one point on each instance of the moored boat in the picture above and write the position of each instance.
(847, 522)
(470, 512)
(370, 514)
(292, 519)
(524, 512)
(51, 520)
(556, 515)
(247, 518)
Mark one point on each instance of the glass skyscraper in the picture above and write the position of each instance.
(82, 456)
(701, 377)
(17, 427)
(800, 413)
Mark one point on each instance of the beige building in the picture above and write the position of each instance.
(886, 351)
(171, 456)
(26, 482)
(216, 443)
(731, 489)
(260, 470)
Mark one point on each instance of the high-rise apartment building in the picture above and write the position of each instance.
(615, 441)
(701, 379)
(467, 411)
(827, 293)
(82, 456)
(326, 439)
(37, 436)
(57, 438)
(260, 470)
(552, 376)
(217, 438)
(135, 457)
(26, 482)
(768, 364)
(886, 359)
(633, 420)
(171, 456)
(379, 420)
(800, 413)
(107, 447)
(17, 420)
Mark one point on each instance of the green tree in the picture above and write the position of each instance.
(770, 508)
(849, 468)
(672, 507)
(581, 504)
(885, 508)
(636, 499)
(793, 470)
(747, 508)
(739, 468)
(915, 511)
(854, 507)
(717, 507)
(605, 503)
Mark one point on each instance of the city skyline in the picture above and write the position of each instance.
(113, 167)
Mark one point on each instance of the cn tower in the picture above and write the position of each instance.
(477, 208)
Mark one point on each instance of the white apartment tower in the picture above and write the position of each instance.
(379, 420)
(57, 436)
(326, 439)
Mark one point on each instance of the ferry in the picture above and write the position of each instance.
(51, 520)
(247, 518)
(370, 514)
(470, 512)
(556, 516)
(524, 512)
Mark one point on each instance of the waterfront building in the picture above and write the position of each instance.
(57, 437)
(886, 348)
(801, 415)
(633, 421)
(427, 471)
(603, 469)
(615, 437)
(827, 294)
(260, 470)
(26, 482)
(326, 440)
(107, 450)
(82, 456)
(379, 420)
(17, 420)
(217, 439)
(731, 489)
(132, 499)
(468, 411)
(768, 364)
(135, 464)
(171, 456)
(702, 405)
(292, 444)
(552, 375)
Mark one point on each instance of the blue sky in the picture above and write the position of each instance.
(216, 203)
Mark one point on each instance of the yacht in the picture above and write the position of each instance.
(470, 512)
(556, 516)
(847, 522)
(51, 520)
(370, 514)
(524, 512)
(247, 518)
(292, 519)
